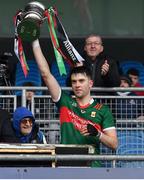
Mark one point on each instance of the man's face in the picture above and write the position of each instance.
(134, 79)
(81, 85)
(93, 46)
(124, 83)
(29, 95)
(26, 126)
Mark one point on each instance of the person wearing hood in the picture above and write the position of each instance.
(26, 130)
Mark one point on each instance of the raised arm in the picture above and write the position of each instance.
(48, 78)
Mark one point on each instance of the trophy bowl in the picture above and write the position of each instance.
(31, 19)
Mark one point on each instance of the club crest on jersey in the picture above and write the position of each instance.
(74, 104)
(93, 114)
(82, 111)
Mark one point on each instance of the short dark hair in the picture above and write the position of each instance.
(127, 79)
(133, 71)
(31, 84)
(93, 35)
(82, 70)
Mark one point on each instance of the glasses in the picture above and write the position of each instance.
(93, 43)
(27, 120)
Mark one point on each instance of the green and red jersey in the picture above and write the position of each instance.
(73, 118)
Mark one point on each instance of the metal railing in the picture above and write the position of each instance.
(129, 123)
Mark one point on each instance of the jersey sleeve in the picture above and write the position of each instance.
(108, 119)
(63, 100)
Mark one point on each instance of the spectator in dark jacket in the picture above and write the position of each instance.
(104, 70)
(7, 134)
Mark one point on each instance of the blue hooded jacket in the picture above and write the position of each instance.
(19, 114)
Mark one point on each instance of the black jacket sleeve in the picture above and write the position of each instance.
(7, 134)
(112, 78)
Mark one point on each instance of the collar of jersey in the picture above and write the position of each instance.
(87, 105)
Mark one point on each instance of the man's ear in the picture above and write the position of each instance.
(91, 83)
(84, 47)
(102, 48)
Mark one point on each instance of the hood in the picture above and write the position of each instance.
(19, 114)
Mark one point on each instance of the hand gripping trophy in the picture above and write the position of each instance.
(30, 20)
(27, 28)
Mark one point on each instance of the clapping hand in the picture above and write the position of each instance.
(105, 68)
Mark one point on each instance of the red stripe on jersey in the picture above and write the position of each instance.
(98, 106)
(66, 115)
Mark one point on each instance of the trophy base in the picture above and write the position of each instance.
(29, 30)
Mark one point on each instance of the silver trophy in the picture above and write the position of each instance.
(30, 20)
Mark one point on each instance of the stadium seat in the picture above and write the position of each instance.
(130, 143)
(33, 76)
(127, 64)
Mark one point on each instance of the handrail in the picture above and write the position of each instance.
(114, 89)
(56, 157)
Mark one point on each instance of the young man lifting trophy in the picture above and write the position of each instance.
(27, 28)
